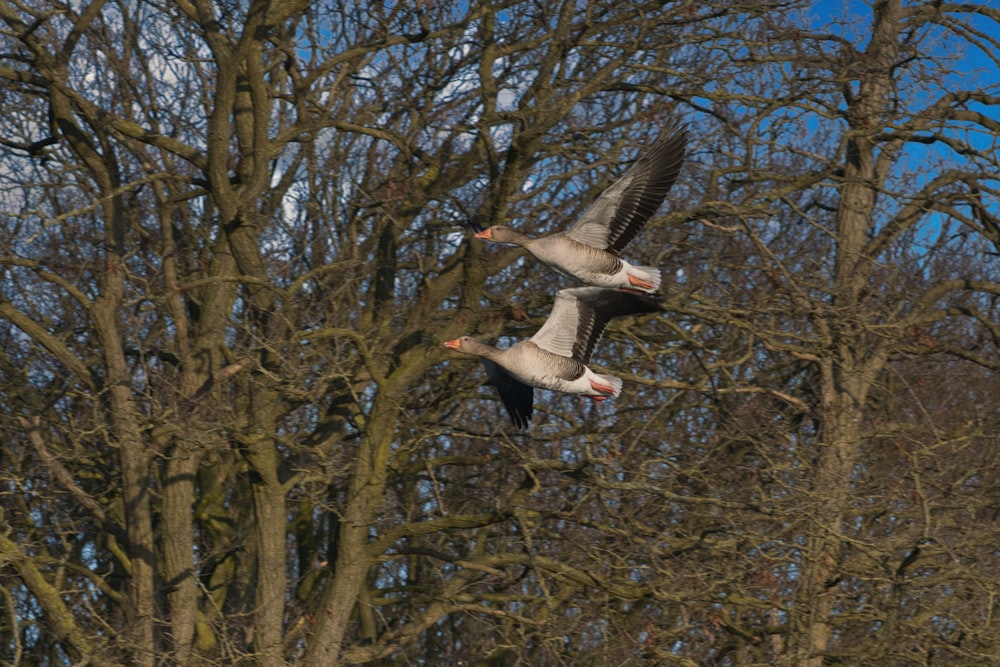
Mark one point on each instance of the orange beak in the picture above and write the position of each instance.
(486, 235)
(454, 344)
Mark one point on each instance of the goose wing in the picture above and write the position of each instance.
(516, 396)
(581, 314)
(624, 208)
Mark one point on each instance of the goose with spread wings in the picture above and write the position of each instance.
(590, 250)
(556, 357)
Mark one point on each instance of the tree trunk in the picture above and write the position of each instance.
(269, 531)
(832, 493)
(857, 357)
(135, 461)
(364, 499)
(178, 548)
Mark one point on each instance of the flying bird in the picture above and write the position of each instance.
(556, 357)
(590, 250)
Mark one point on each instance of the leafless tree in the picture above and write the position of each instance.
(236, 234)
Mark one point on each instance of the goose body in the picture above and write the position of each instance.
(590, 250)
(556, 357)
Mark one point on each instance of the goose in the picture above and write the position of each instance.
(556, 357)
(589, 250)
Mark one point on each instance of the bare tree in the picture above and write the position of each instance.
(853, 268)
(236, 235)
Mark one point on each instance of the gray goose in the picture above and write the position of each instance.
(556, 357)
(589, 250)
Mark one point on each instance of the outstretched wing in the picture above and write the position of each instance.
(581, 314)
(624, 208)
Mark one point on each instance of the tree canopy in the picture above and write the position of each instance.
(236, 234)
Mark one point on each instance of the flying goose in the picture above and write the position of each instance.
(589, 250)
(556, 356)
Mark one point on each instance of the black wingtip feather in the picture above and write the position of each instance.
(653, 174)
(520, 413)
(517, 397)
(596, 306)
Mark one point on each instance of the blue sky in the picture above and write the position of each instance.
(853, 19)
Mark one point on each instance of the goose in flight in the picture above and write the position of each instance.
(590, 250)
(556, 357)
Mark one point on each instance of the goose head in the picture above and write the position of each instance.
(501, 234)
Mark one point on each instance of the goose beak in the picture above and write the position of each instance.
(486, 235)
(454, 344)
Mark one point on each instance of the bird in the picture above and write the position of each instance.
(556, 357)
(589, 251)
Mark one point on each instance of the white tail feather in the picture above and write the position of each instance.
(652, 275)
(611, 381)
